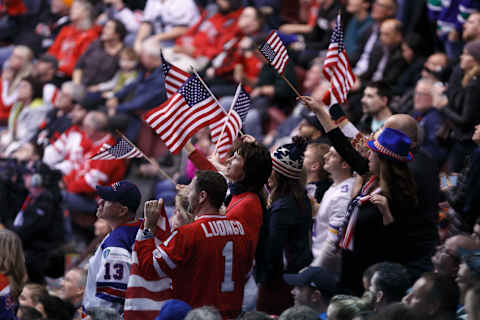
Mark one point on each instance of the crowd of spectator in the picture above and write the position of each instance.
(365, 210)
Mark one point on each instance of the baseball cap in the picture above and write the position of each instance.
(315, 277)
(471, 258)
(123, 192)
(174, 310)
(312, 120)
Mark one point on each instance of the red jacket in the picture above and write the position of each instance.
(209, 37)
(13, 7)
(70, 44)
(95, 172)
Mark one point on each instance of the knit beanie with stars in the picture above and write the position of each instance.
(287, 160)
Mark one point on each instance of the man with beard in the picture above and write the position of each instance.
(375, 106)
(208, 259)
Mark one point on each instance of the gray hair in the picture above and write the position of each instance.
(152, 47)
(204, 313)
(103, 313)
(78, 91)
(299, 313)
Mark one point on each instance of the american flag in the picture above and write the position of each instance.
(147, 290)
(121, 150)
(174, 77)
(235, 119)
(183, 114)
(336, 67)
(275, 52)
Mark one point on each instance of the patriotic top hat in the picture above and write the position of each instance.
(393, 145)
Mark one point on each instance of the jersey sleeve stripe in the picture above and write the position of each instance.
(117, 285)
(110, 298)
(165, 257)
(157, 268)
(112, 292)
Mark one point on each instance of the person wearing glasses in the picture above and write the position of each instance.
(446, 259)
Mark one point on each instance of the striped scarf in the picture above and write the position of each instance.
(346, 241)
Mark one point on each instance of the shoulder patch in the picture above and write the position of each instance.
(106, 253)
(344, 188)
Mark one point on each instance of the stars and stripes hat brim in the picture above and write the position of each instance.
(393, 145)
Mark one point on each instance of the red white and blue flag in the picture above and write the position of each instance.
(275, 52)
(336, 67)
(227, 129)
(183, 114)
(174, 77)
(121, 150)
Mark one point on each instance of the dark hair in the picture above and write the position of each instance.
(48, 58)
(56, 308)
(383, 89)
(415, 42)
(443, 290)
(393, 280)
(214, 184)
(395, 311)
(29, 313)
(119, 28)
(397, 181)
(257, 164)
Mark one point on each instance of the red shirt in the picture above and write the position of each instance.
(95, 172)
(208, 261)
(70, 44)
(209, 37)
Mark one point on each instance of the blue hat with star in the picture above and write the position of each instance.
(287, 160)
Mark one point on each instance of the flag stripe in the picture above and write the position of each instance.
(336, 67)
(275, 52)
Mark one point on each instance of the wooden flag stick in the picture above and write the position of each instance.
(235, 98)
(291, 86)
(153, 162)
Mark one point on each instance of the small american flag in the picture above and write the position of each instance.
(275, 52)
(121, 150)
(174, 77)
(183, 114)
(241, 105)
(336, 67)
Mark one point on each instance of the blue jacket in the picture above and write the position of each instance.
(147, 91)
(431, 121)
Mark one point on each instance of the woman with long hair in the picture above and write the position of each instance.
(13, 274)
(383, 221)
(289, 227)
(16, 68)
(462, 111)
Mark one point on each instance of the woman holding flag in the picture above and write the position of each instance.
(381, 219)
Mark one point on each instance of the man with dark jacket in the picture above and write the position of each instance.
(39, 223)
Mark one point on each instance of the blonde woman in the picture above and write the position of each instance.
(12, 273)
(16, 68)
(181, 214)
(462, 111)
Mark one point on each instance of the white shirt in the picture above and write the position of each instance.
(328, 222)
(167, 14)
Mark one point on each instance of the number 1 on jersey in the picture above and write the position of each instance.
(228, 285)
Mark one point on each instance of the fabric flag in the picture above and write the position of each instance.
(121, 150)
(174, 77)
(147, 290)
(336, 67)
(235, 119)
(183, 114)
(275, 52)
